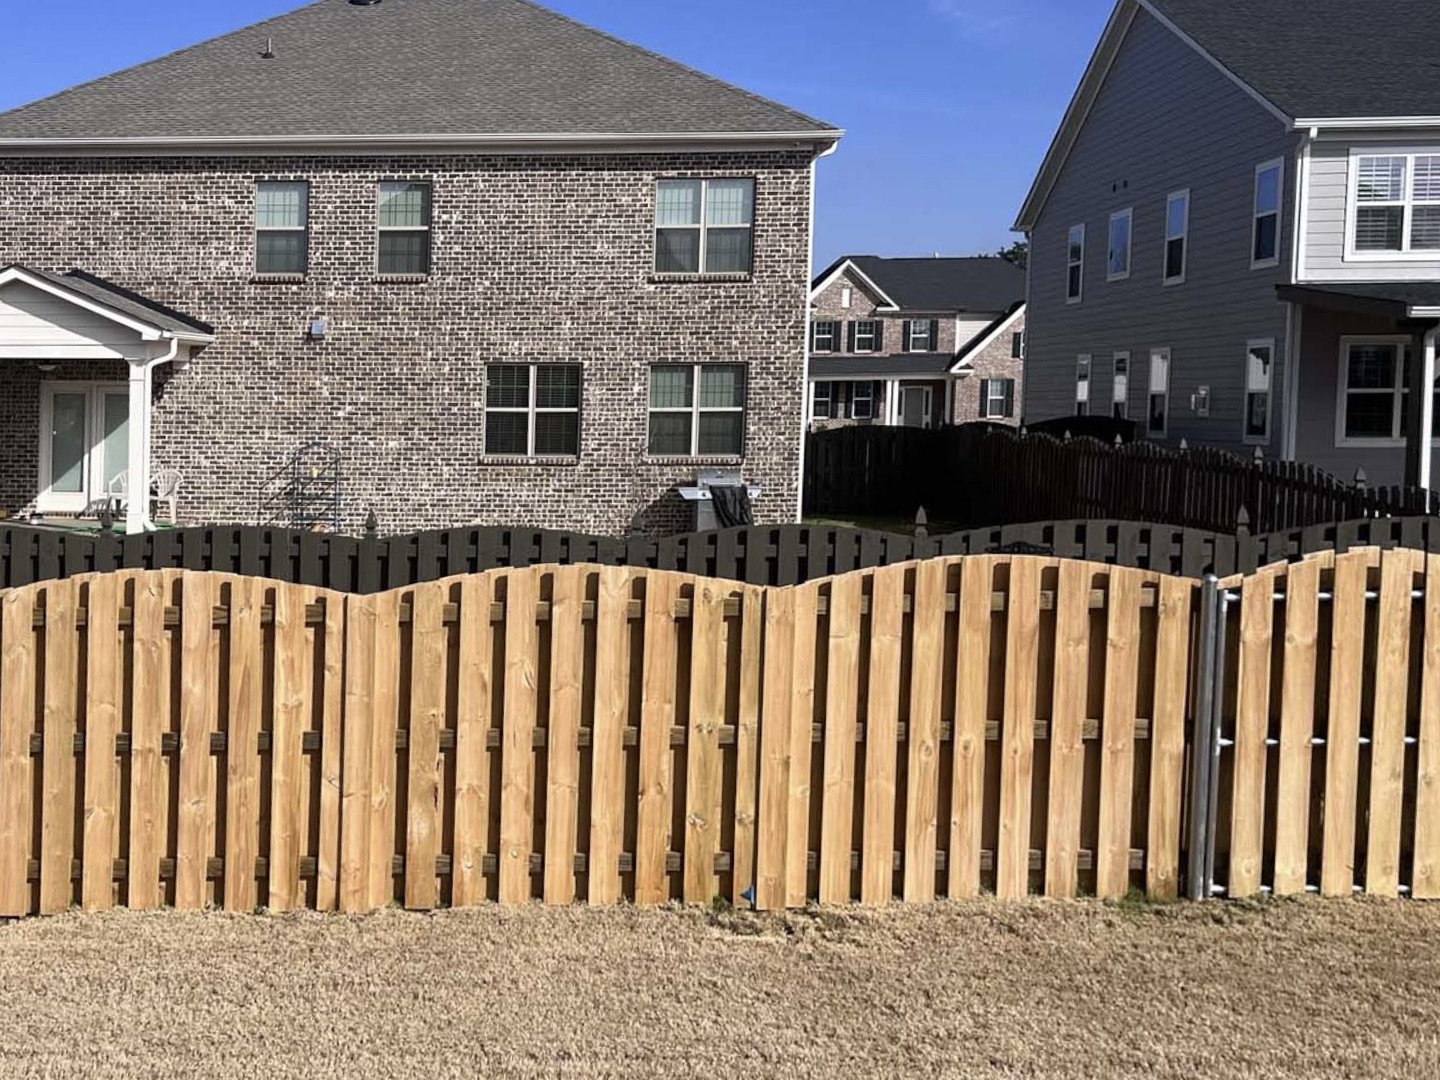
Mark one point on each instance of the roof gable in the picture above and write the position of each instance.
(145, 317)
(981, 284)
(439, 68)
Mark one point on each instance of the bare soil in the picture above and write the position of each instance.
(1307, 989)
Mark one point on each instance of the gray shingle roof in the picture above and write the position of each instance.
(123, 301)
(1323, 58)
(1400, 296)
(944, 285)
(406, 67)
(902, 366)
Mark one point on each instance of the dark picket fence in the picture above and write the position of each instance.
(760, 555)
(978, 475)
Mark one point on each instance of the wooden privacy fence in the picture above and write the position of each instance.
(1013, 724)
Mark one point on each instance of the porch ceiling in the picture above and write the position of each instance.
(1392, 300)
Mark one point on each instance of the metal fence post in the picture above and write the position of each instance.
(1202, 756)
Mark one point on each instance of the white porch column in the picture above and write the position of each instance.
(892, 403)
(1427, 411)
(949, 417)
(137, 514)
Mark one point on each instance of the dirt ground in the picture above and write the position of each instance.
(1309, 989)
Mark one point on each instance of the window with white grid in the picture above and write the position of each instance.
(704, 226)
(1396, 200)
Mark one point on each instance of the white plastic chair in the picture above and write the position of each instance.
(164, 490)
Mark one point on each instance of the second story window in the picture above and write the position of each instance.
(697, 410)
(824, 336)
(1269, 182)
(1120, 230)
(532, 410)
(404, 229)
(282, 227)
(1397, 203)
(867, 336)
(1177, 236)
(922, 335)
(1017, 345)
(704, 226)
(1075, 275)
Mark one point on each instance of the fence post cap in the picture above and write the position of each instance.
(372, 524)
(1242, 521)
(1067, 435)
(922, 524)
(1184, 445)
(1259, 455)
(1360, 480)
(1118, 440)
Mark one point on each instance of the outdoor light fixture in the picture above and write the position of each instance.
(318, 330)
(47, 369)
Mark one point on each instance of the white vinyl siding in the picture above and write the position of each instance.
(1394, 205)
(1332, 213)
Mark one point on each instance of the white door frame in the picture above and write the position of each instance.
(928, 420)
(93, 484)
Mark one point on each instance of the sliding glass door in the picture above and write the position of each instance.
(84, 443)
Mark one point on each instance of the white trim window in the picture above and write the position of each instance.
(847, 297)
(1075, 266)
(532, 410)
(404, 228)
(1082, 384)
(1265, 228)
(1017, 345)
(867, 336)
(1394, 205)
(704, 226)
(822, 401)
(862, 401)
(1120, 388)
(1177, 236)
(282, 223)
(921, 335)
(1259, 382)
(707, 423)
(824, 336)
(1374, 391)
(1122, 229)
(1157, 413)
(997, 399)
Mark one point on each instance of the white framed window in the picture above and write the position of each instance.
(862, 401)
(867, 336)
(1269, 198)
(1121, 230)
(404, 227)
(824, 336)
(1394, 205)
(1075, 270)
(847, 297)
(532, 410)
(1017, 345)
(697, 410)
(1374, 392)
(704, 226)
(822, 401)
(1259, 381)
(1082, 384)
(921, 334)
(1157, 416)
(1177, 236)
(1120, 388)
(282, 223)
(997, 399)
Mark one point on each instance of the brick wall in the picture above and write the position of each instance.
(829, 306)
(994, 362)
(534, 260)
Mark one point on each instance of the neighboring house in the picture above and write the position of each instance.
(512, 269)
(916, 342)
(1235, 237)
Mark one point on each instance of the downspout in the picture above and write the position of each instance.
(1294, 316)
(142, 381)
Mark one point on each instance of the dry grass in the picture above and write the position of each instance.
(981, 990)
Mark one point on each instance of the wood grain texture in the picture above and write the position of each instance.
(774, 757)
(358, 762)
(1167, 737)
(331, 721)
(927, 684)
(104, 708)
(704, 771)
(747, 743)
(1252, 728)
(293, 657)
(1427, 794)
(657, 715)
(882, 730)
(1117, 754)
(61, 707)
(384, 836)
(802, 718)
(842, 703)
(1017, 761)
(473, 706)
(567, 671)
(972, 689)
(1297, 728)
(242, 754)
(1342, 742)
(1387, 744)
(18, 668)
(1067, 739)
(607, 799)
(429, 644)
(517, 761)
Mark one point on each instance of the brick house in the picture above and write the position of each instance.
(509, 269)
(916, 342)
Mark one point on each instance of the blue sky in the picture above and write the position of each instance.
(949, 104)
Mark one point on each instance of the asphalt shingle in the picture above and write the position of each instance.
(986, 285)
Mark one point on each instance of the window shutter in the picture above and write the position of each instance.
(1009, 398)
(984, 399)
(880, 335)
(934, 335)
(850, 345)
(813, 328)
(906, 333)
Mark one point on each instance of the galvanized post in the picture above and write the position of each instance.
(1201, 756)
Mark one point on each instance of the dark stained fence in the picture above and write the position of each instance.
(760, 555)
(979, 475)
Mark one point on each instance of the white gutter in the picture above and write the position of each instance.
(142, 380)
(1363, 122)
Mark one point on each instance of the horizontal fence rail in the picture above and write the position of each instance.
(979, 475)
(759, 555)
(1014, 724)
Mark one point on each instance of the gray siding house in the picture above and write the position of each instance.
(1235, 235)
(509, 269)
